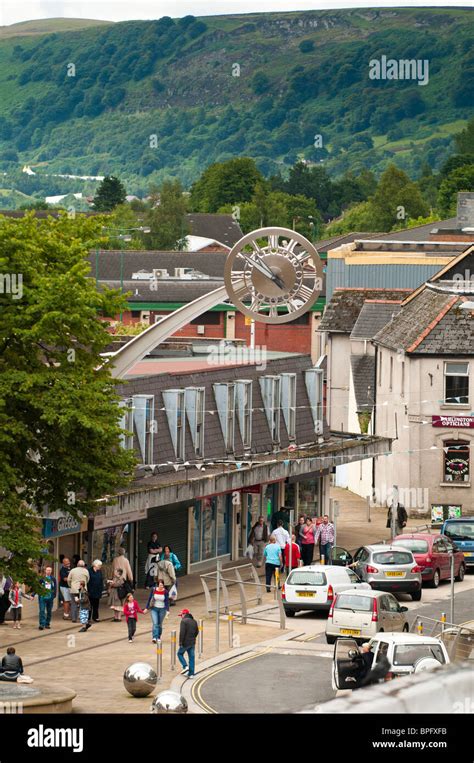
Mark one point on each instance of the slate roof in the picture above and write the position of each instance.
(343, 309)
(209, 263)
(221, 228)
(344, 238)
(374, 315)
(178, 290)
(420, 232)
(431, 324)
(363, 376)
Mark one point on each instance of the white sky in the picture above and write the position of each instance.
(12, 11)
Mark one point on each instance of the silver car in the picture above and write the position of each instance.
(389, 568)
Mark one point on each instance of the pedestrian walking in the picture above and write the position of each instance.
(121, 562)
(295, 555)
(272, 556)
(258, 538)
(154, 549)
(46, 598)
(117, 594)
(165, 571)
(84, 605)
(284, 515)
(158, 605)
(401, 518)
(307, 542)
(188, 631)
(6, 583)
(282, 538)
(77, 575)
(16, 603)
(131, 608)
(169, 556)
(325, 537)
(95, 588)
(64, 571)
(299, 530)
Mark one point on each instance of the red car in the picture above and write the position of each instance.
(431, 552)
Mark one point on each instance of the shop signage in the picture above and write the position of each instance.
(67, 525)
(442, 511)
(110, 520)
(458, 422)
(252, 489)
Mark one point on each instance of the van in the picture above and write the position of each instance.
(461, 533)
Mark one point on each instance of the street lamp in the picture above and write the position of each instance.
(121, 236)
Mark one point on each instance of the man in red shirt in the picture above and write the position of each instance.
(295, 555)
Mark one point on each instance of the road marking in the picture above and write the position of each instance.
(197, 686)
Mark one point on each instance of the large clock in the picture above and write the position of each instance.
(273, 275)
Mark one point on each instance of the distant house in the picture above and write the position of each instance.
(206, 230)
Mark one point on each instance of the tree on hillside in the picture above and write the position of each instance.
(110, 193)
(396, 199)
(222, 183)
(59, 415)
(167, 220)
(461, 179)
(276, 208)
(465, 139)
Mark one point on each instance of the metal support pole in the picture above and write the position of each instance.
(277, 581)
(200, 638)
(452, 589)
(420, 628)
(159, 659)
(368, 499)
(443, 621)
(173, 650)
(218, 601)
(230, 619)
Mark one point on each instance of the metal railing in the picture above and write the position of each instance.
(457, 638)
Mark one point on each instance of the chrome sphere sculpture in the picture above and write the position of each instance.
(169, 702)
(140, 679)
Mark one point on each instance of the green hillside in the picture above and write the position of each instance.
(152, 99)
(48, 26)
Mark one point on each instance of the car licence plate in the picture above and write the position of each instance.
(349, 632)
(306, 594)
(395, 574)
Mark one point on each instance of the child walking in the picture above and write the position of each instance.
(16, 605)
(131, 608)
(82, 599)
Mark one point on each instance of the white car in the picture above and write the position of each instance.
(315, 586)
(362, 614)
(405, 653)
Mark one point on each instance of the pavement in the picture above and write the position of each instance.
(93, 663)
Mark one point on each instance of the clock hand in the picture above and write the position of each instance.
(263, 268)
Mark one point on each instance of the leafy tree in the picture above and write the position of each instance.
(464, 140)
(306, 46)
(110, 193)
(59, 413)
(167, 220)
(360, 217)
(455, 161)
(222, 183)
(461, 179)
(260, 83)
(396, 194)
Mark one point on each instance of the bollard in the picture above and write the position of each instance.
(173, 650)
(321, 560)
(230, 619)
(443, 621)
(277, 581)
(200, 638)
(159, 659)
(420, 628)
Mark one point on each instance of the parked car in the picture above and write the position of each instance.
(405, 652)
(461, 532)
(362, 614)
(433, 555)
(314, 587)
(389, 568)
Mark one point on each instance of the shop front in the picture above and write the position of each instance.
(112, 531)
(305, 494)
(64, 536)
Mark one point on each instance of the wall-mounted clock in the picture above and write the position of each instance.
(273, 275)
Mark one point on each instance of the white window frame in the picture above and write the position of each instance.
(195, 402)
(314, 379)
(288, 403)
(446, 374)
(175, 407)
(224, 394)
(244, 396)
(144, 426)
(271, 394)
(126, 422)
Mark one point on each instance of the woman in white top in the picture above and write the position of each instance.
(158, 604)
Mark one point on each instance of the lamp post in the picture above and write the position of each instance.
(122, 235)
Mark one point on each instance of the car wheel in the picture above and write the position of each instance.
(405, 628)
(461, 573)
(330, 639)
(290, 612)
(416, 596)
(436, 579)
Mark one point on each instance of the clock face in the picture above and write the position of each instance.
(273, 275)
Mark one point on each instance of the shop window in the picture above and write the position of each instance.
(144, 425)
(271, 394)
(224, 394)
(288, 403)
(314, 388)
(456, 461)
(209, 318)
(174, 400)
(456, 383)
(243, 389)
(195, 406)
